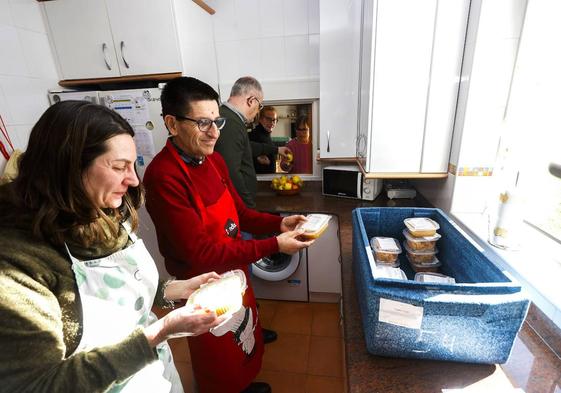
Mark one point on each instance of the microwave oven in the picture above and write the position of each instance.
(347, 181)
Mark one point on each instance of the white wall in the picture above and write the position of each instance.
(491, 46)
(196, 42)
(27, 68)
(275, 41)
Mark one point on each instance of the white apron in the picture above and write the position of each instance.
(117, 293)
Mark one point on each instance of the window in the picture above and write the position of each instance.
(533, 121)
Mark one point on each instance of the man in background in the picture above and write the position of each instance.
(262, 147)
(242, 107)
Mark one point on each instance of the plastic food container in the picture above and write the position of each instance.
(421, 226)
(434, 278)
(389, 272)
(425, 243)
(315, 226)
(386, 250)
(421, 257)
(223, 296)
(425, 267)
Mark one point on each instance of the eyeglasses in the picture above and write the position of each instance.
(205, 124)
(256, 99)
(302, 129)
(271, 119)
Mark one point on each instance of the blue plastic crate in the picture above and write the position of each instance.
(475, 320)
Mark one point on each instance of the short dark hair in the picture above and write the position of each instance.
(63, 144)
(179, 93)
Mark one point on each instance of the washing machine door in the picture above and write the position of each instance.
(276, 267)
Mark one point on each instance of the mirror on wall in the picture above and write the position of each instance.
(285, 126)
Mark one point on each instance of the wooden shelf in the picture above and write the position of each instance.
(401, 175)
(205, 6)
(120, 79)
(200, 3)
(404, 175)
(348, 160)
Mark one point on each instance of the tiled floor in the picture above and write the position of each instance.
(307, 357)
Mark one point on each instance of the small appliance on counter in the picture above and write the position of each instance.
(399, 189)
(348, 181)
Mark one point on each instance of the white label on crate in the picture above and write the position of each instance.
(401, 314)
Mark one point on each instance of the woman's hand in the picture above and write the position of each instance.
(289, 243)
(289, 223)
(182, 289)
(187, 320)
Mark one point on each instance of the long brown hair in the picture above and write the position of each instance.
(65, 141)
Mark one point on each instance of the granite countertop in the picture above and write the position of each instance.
(534, 365)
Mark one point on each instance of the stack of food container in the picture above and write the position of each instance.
(386, 255)
(420, 244)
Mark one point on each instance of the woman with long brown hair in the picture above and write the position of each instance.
(77, 284)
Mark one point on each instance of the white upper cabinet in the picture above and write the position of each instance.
(339, 57)
(145, 36)
(410, 74)
(80, 33)
(112, 38)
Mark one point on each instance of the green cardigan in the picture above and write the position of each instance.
(41, 323)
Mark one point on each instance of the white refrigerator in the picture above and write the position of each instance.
(142, 109)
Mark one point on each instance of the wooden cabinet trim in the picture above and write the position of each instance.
(205, 6)
(132, 78)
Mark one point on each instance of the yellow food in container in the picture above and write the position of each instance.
(425, 243)
(223, 296)
(425, 267)
(421, 226)
(315, 226)
(386, 250)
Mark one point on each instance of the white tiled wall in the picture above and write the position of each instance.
(272, 40)
(27, 68)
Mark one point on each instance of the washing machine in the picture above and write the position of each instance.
(281, 277)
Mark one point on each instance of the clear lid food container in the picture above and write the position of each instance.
(389, 272)
(429, 277)
(421, 257)
(425, 267)
(421, 226)
(386, 250)
(315, 226)
(424, 243)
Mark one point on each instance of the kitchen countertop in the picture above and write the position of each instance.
(534, 365)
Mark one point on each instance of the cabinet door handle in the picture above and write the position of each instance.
(123, 54)
(104, 51)
(328, 137)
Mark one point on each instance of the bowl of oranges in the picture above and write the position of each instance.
(287, 185)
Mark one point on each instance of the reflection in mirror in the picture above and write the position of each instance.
(284, 126)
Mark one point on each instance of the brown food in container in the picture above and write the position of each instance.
(425, 243)
(421, 257)
(421, 226)
(386, 250)
(426, 267)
